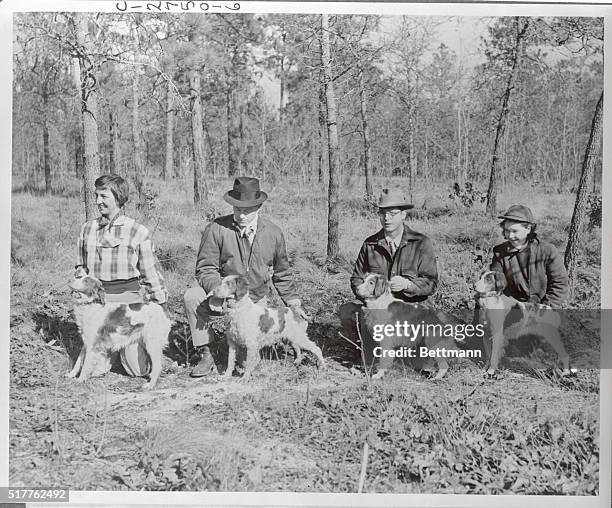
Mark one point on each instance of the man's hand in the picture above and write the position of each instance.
(296, 305)
(80, 272)
(399, 283)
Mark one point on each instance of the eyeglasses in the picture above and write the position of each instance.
(389, 213)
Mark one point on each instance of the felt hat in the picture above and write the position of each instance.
(245, 193)
(518, 213)
(393, 198)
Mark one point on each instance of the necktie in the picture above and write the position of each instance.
(248, 234)
(392, 247)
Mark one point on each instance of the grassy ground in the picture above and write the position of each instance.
(290, 429)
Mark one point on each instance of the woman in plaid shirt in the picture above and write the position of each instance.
(117, 250)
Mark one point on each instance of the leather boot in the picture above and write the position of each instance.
(205, 364)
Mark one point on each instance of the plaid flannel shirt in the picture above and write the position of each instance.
(121, 250)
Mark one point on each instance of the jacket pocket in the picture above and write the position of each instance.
(107, 246)
(109, 242)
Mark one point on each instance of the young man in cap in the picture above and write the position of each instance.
(402, 255)
(534, 269)
(239, 243)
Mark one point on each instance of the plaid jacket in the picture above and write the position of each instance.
(121, 250)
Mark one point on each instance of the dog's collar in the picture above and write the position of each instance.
(488, 294)
(235, 303)
(78, 302)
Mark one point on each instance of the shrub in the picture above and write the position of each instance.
(594, 206)
(467, 196)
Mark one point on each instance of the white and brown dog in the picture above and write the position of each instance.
(375, 292)
(381, 307)
(254, 325)
(109, 327)
(532, 318)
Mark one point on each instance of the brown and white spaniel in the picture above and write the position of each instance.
(375, 291)
(109, 327)
(531, 319)
(255, 325)
(382, 308)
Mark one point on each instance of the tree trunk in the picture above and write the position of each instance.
(459, 172)
(281, 106)
(363, 100)
(183, 160)
(89, 116)
(333, 215)
(46, 161)
(322, 128)
(466, 149)
(111, 142)
(78, 155)
(242, 157)
(564, 147)
(169, 165)
(233, 134)
(199, 162)
(212, 154)
(115, 153)
(413, 156)
(501, 122)
(236, 141)
(137, 138)
(263, 141)
(426, 154)
(580, 211)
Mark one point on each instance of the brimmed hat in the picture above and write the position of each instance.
(245, 192)
(518, 213)
(393, 198)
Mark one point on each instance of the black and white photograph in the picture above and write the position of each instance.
(322, 250)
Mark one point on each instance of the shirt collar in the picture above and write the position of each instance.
(513, 250)
(249, 229)
(526, 247)
(397, 238)
(117, 220)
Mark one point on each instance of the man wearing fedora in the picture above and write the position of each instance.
(242, 243)
(404, 256)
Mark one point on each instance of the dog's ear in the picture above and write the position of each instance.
(242, 287)
(500, 281)
(380, 285)
(97, 291)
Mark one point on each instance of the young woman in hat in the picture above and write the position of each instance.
(534, 269)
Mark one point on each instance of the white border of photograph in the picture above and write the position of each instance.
(543, 8)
